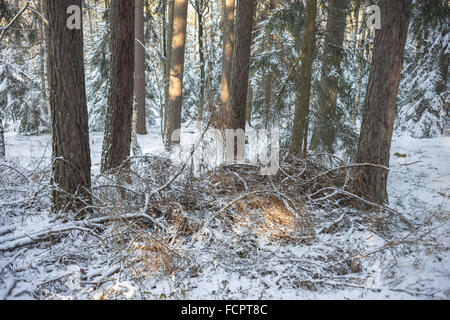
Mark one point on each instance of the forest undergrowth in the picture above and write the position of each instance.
(158, 231)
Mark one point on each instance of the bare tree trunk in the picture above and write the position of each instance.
(303, 97)
(139, 69)
(360, 60)
(177, 67)
(356, 16)
(200, 7)
(167, 66)
(135, 147)
(71, 154)
(249, 104)
(324, 134)
(2, 140)
(45, 69)
(116, 144)
(381, 97)
(227, 58)
(241, 64)
(441, 90)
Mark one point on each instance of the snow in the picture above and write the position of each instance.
(80, 266)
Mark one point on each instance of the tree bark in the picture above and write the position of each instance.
(177, 68)
(167, 66)
(71, 171)
(2, 140)
(227, 59)
(139, 69)
(249, 104)
(324, 134)
(299, 133)
(200, 7)
(44, 60)
(441, 90)
(116, 144)
(381, 98)
(241, 63)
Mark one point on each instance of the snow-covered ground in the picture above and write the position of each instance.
(413, 264)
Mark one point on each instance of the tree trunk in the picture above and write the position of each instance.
(324, 134)
(356, 15)
(116, 144)
(299, 136)
(2, 140)
(45, 86)
(139, 69)
(177, 67)
(71, 154)
(135, 147)
(167, 66)
(249, 104)
(227, 59)
(441, 90)
(200, 10)
(241, 64)
(381, 97)
(360, 61)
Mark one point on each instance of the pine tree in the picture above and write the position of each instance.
(139, 71)
(177, 68)
(324, 134)
(245, 10)
(228, 7)
(71, 154)
(117, 138)
(300, 129)
(381, 98)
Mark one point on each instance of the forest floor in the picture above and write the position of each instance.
(186, 242)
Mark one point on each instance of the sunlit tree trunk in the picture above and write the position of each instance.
(177, 68)
(228, 7)
(381, 98)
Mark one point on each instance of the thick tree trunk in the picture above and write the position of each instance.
(227, 59)
(71, 154)
(139, 69)
(116, 144)
(299, 134)
(177, 68)
(381, 97)
(324, 134)
(241, 64)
